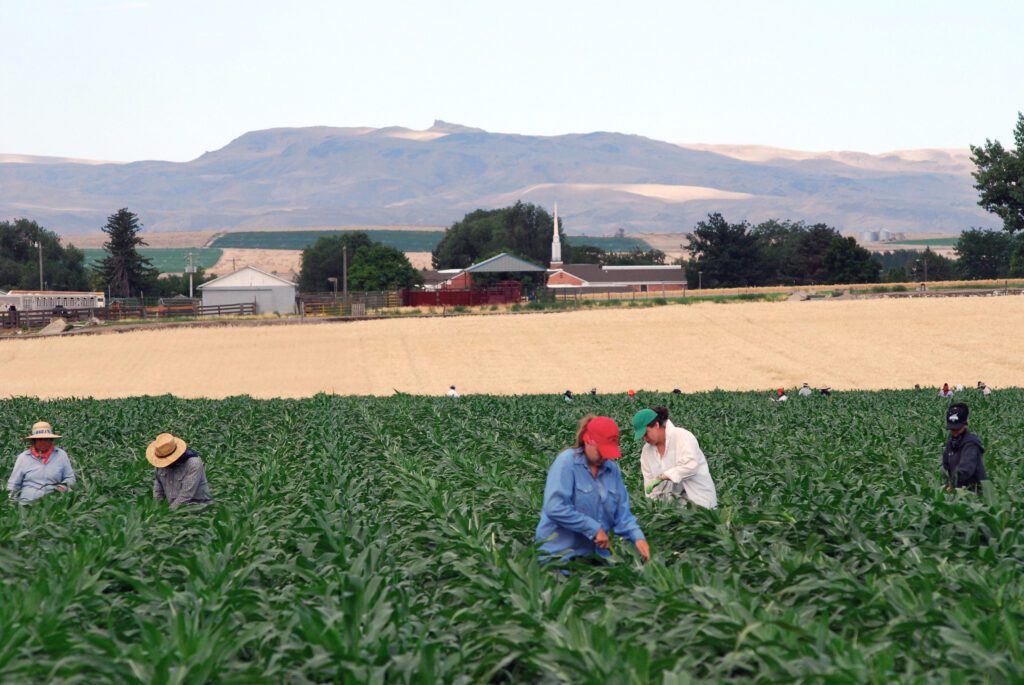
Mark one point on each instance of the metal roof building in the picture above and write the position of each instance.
(270, 293)
(610, 278)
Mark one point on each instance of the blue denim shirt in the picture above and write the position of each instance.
(577, 505)
(31, 478)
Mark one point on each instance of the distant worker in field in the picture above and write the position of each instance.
(585, 500)
(180, 475)
(826, 391)
(780, 396)
(805, 391)
(631, 393)
(567, 396)
(452, 392)
(984, 389)
(671, 461)
(42, 468)
(962, 458)
(946, 391)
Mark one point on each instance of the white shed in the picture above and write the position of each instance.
(270, 293)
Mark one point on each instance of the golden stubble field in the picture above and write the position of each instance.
(859, 344)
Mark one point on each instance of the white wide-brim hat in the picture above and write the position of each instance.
(41, 430)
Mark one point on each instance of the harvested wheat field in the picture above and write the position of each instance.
(866, 344)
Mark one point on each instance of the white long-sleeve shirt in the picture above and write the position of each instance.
(684, 464)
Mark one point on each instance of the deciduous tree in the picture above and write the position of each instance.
(983, 254)
(63, 267)
(1000, 178)
(524, 230)
(371, 266)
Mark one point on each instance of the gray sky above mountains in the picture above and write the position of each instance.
(171, 79)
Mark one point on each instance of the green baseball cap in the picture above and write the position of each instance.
(641, 420)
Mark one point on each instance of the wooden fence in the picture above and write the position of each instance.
(358, 304)
(117, 312)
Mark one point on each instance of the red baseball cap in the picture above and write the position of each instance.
(602, 431)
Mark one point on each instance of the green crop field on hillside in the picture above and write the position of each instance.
(373, 540)
(165, 259)
(406, 241)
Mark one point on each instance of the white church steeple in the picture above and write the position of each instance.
(556, 244)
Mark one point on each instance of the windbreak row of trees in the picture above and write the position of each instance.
(123, 272)
(728, 255)
(793, 253)
(63, 266)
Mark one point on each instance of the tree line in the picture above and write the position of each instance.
(124, 272)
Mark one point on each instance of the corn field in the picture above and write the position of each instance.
(390, 540)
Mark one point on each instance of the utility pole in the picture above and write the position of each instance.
(190, 269)
(39, 244)
(344, 272)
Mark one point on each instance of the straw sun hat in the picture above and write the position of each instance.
(41, 430)
(165, 450)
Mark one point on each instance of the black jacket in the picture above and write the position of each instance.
(962, 460)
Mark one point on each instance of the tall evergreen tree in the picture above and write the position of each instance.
(124, 271)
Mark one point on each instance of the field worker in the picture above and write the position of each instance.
(452, 392)
(780, 396)
(984, 389)
(42, 468)
(826, 391)
(567, 396)
(945, 392)
(672, 463)
(180, 475)
(805, 391)
(631, 393)
(962, 458)
(585, 499)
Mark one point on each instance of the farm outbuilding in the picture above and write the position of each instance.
(272, 294)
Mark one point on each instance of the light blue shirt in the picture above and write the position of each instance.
(577, 506)
(32, 478)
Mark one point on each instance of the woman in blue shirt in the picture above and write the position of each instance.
(42, 468)
(585, 498)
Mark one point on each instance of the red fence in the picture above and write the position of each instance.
(505, 293)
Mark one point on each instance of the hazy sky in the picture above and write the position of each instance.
(162, 79)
